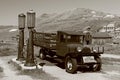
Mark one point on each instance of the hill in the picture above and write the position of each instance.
(7, 32)
(76, 19)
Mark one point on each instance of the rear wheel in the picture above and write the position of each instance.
(42, 55)
(70, 64)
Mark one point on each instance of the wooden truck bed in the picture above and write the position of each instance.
(46, 40)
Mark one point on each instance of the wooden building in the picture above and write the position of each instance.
(100, 38)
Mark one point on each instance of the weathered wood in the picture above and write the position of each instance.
(47, 40)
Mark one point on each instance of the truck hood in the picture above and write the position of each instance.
(79, 47)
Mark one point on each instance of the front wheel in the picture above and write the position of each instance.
(70, 64)
(97, 67)
(42, 55)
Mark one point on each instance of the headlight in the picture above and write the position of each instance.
(94, 50)
(79, 49)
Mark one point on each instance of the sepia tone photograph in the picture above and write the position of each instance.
(59, 40)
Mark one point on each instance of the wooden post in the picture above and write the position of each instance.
(98, 50)
(30, 46)
(21, 25)
(92, 48)
(103, 49)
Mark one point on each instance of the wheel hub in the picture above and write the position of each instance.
(69, 65)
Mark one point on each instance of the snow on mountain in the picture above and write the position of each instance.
(109, 16)
(93, 12)
(12, 30)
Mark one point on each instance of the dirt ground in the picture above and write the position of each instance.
(54, 71)
(9, 71)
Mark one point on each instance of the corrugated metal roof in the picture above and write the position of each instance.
(101, 35)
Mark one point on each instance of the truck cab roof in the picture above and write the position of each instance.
(72, 32)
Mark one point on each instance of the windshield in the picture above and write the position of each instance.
(75, 38)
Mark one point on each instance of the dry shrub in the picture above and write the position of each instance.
(1, 69)
(7, 49)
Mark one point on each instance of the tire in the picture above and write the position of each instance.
(70, 65)
(97, 67)
(42, 55)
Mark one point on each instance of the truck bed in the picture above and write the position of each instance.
(46, 40)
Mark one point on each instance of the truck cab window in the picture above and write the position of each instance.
(74, 38)
(62, 38)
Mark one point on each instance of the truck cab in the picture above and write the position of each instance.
(68, 42)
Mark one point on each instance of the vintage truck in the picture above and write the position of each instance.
(73, 48)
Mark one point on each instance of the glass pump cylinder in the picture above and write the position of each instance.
(31, 19)
(21, 21)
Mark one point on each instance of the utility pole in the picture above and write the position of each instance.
(30, 46)
(21, 26)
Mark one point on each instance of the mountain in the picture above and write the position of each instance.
(76, 19)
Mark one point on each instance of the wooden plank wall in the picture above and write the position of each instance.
(47, 40)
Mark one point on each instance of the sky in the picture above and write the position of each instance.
(10, 9)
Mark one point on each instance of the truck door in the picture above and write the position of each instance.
(61, 45)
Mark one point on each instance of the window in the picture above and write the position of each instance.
(68, 37)
(62, 38)
(81, 39)
(75, 38)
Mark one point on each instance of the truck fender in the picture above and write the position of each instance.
(72, 55)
